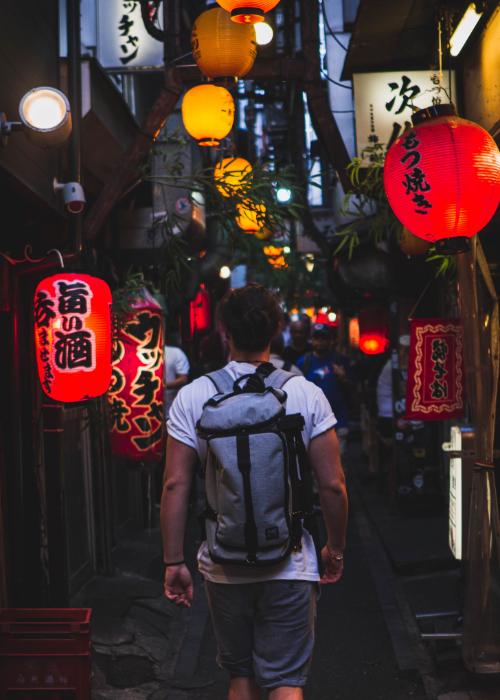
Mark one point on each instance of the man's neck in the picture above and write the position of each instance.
(253, 358)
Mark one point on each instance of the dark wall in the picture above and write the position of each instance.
(29, 50)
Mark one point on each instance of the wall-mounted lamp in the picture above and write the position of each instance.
(45, 117)
(464, 29)
(225, 272)
(283, 195)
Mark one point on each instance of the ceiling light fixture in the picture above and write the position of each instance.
(464, 29)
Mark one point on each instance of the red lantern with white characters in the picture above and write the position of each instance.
(442, 178)
(200, 317)
(136, 393)
(373, 330)
(73, 336)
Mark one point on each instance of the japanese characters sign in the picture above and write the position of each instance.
(73, 336)
(435, 388)
(383, 102)
(123, 41)
(136, 393)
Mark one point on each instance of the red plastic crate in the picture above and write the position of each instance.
(45, 654)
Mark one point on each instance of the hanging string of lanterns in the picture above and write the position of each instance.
(442, 178)
(208, 114)
(222, 48)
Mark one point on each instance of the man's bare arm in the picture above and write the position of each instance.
(176, 383)
(179, 471)
(324, 453)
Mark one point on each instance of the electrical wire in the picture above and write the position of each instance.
(330, 31)
(27, 257)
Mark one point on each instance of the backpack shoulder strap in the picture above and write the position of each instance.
(279, 378)
(222, 381)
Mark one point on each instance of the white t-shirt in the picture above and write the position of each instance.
(303, 397)
(176, 363)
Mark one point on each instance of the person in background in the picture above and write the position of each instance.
(176, 371)
(299, 331)
(276, 356)
(328, 369)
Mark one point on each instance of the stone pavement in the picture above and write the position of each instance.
(368, 644)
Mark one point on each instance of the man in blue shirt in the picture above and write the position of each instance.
(328, 369)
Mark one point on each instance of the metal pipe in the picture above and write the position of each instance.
(75, 98)
(434, 615)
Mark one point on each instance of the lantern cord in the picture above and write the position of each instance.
(417, 303)
(440, 52)
(27, 257)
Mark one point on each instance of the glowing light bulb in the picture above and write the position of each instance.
(283, 195)
(225, 272)
(264, 33)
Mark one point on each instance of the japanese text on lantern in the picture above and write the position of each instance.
(73, 345)
(136, 393)
(415, 182)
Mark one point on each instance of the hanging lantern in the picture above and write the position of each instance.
(248, 11)
(232, 175)
(222, 48)
(275, 257)
(373, 330)
(412, 245)
(73, 336)
(200, 316)
(136, 393)
(208, 114)
(442, 178)
(251, 219)
(354, 332)
(327, 317)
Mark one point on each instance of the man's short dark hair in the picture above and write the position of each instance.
(251, 315)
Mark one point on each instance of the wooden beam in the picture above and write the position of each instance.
(322, 118)
(126, 172)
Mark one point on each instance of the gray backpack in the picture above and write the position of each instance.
(257, 478)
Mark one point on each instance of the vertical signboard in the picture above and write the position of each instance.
(455, 495)
(122, 39)
(383, 102)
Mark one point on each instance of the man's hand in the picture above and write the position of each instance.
(332, 568)
(178, 585)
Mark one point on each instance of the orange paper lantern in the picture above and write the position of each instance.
(222, 48)
(232, 175)
(373, 330)
(248, 11)
(208, 114)
(251, 219)
(73, 336)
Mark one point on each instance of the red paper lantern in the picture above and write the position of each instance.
(136, 393)
(442, 178)
(73, 336)
(373, 330)
(200, 317)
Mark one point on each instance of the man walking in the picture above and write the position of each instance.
(263, 616)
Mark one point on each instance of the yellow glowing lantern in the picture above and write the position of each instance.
(232, 175)
(248, 11)
(275, 257)
(222, 48)
(251, 218)
(208, 114)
